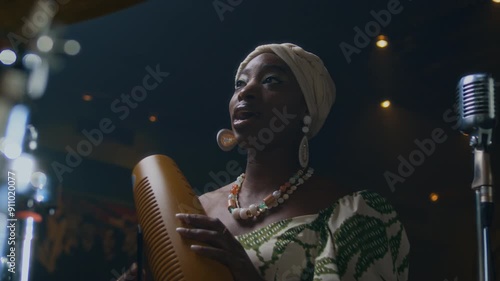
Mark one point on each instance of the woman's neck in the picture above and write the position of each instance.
(267, 170)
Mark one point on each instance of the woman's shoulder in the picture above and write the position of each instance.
(355, 208)
(366, 222)
(366, 201)
(329, 195)
(362, 202)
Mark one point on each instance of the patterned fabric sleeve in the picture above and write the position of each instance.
(367, 242)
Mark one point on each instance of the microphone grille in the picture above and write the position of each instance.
(476, 101)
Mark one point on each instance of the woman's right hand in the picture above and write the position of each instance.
(131, 274)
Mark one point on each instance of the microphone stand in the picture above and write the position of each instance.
(483, 188)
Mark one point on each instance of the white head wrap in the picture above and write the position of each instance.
(314, 80)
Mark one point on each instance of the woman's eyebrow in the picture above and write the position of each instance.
(276, 67)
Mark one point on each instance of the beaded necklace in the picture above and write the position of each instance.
(272, 200)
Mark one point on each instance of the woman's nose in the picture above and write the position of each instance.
(250, 91)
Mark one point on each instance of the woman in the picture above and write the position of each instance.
(279, 221)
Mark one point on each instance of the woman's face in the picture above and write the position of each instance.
(267, 104)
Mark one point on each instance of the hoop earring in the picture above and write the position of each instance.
(226, 139)
(304, 143)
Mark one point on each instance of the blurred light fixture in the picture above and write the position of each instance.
(153, 118)
(11, 144)
(23, 167)
(87, 97)
(31, 60)
(33, 145)
(37, 82)
(45, 44)
(10, 148)
(385, 104)
(72, 47)
(496, 1)
(434, 197)
(8, 57)
(39, 198)
(382, 41)
(38, 180)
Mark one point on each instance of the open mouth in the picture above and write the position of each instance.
(244, 115)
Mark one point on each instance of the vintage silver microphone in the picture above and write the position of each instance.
(477, 117)
(476, 102)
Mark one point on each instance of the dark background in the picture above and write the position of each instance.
(432, 44)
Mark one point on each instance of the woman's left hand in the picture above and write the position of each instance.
(222, 246)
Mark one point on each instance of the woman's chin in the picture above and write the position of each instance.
(243, 129)
(244, 137)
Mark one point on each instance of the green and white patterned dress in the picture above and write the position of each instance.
(358, 238)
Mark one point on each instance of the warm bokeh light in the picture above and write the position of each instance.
(496, 1)
(382, 41)
(434, 197)
(153, 118)
(87, 97)
(385, 104)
